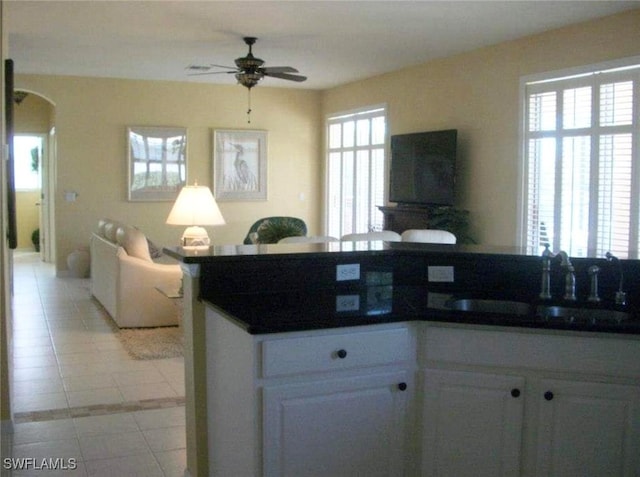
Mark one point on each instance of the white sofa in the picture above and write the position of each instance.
(124, 278)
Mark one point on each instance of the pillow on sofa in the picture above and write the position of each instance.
(111, 230)
(101, 225)
(134, 242)
(154, 250)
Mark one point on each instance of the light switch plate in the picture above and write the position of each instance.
(347, 303)
(442, 274)
(349, 271)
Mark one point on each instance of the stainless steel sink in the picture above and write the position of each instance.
(489, 306)
(582, 315)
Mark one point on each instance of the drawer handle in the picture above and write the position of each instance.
(548, 395)
(341, 353)
(402, 386)
(515, 392)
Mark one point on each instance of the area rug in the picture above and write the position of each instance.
(152, 343)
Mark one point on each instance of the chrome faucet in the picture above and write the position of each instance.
(545, 291)
(593, 294)
(621, 296)
(570, 277)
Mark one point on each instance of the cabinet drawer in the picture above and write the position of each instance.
(335, 352)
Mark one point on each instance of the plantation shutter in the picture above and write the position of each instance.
(581, 162)
(355, 171)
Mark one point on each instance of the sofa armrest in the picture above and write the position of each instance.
(139, 303)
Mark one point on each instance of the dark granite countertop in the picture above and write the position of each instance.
(306, 301)
(261, 313)
(216, 253)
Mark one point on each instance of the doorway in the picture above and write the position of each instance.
(34, 151)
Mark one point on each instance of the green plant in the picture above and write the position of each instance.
(453, 220)
(272, 230)
(35, 239)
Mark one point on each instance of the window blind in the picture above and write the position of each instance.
(355, 171)
(582, 168)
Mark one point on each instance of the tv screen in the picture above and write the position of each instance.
(422, 170)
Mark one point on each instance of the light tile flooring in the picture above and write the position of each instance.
(77, 395)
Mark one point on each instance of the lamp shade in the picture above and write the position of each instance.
(195, 205)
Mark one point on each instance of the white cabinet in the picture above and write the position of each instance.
(327, 402)
(320, 421)
(337, 427)
(472, 424)
(501, 402)
(587, 428)
(427, 399)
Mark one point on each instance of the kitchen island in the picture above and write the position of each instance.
(329, 359)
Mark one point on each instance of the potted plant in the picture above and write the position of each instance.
(35, 239)
(276, 228)
(453, 220)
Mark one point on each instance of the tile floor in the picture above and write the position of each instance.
(77, 395)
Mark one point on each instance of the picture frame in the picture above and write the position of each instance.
(240, 164)
(156, 162)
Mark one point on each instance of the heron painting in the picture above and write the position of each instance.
(240, 164)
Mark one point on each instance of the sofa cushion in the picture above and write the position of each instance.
(101, 225)
(110, 230)
(134, 242)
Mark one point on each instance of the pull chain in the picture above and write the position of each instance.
(249, 110)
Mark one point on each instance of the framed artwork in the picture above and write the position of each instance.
(240, 165)
(157, 162)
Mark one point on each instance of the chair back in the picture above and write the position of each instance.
(428, 236)
(311, 239)
(272, 229)
(386, 235)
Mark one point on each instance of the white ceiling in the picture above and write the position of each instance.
(330, 42)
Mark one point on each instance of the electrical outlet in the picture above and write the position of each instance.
(440, 274)
(347, 303)
(348, 272)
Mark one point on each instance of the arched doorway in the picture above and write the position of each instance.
(34, 146)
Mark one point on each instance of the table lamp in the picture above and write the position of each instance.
(195, 207)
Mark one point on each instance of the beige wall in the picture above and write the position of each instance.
(478, 94)
(91, 117)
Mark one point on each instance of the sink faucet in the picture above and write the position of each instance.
(545, 292)
(570, 277)
(621, 296)
(593, 294)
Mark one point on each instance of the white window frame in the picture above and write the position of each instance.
(365, 112)
(576, 75)
(43, 151)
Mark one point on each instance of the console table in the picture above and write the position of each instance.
(400, 219)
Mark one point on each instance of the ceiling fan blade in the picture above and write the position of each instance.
(223, 66)
(278, 69)
(212, 73)
(286, 76)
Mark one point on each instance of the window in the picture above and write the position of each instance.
(27, 152)
(582, 165)
(355, 171)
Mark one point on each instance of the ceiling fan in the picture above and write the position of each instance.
(249, 70)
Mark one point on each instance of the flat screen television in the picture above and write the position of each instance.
(422, 170)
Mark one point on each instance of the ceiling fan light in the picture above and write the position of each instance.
(248, 80)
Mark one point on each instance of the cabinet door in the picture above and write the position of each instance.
(337, 427)
(588, 429)
(472, 424)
